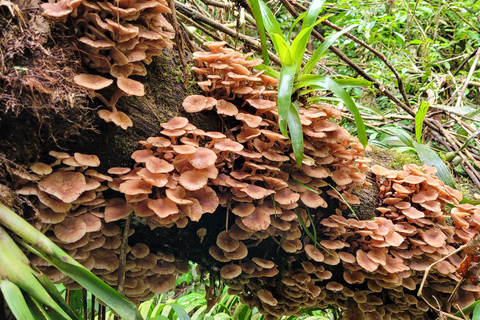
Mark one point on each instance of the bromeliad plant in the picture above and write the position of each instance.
(293, 77)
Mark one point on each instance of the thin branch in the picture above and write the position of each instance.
(218, 4)
(455, 113)
(179, 40)
(380, 55)
(467, 80)
(196, 16)
(464, 62)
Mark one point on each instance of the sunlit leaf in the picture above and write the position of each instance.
(270, 23)
(321, 50)
(285, 87)
(312, 13)
(14, 298)
(419, 117)
(257, 14)
(39, 244)
(296, 132)
(300, 17)
(301, 40)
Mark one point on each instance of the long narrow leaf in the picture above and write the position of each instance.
(15, 300)
(313, 10)
(321, 50)
(430, 158)
(257, 14)
(270, 23)
(45, 248)
(182, 314)
(296, 132)
(301, 40)
(268, 71)
(419, 117)
(14, 266)
(53, 292)
(300, 17)
(283, 49)
(329, 84)
(285, 87)
(403, 135)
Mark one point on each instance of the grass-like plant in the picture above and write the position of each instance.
(293, 77)
(29, 293)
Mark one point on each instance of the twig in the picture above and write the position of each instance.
(192, 14)
(455, 113)
(198, 26)
(427, 270)
(218, 4)
(467, 80)
(179, 41)
(463, 63)
(380, 55)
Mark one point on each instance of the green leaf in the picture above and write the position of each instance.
(53, 292)
(283, 50)
(296, 132)
(468, 309)
(285, 87)
(329, 84)
(416, 42)
(469, 140)
(15, 300)
(432, 159)
(313, 10)
(473, 114)
(159, 317)
(39, 244)
(300, 43)
(321, 50)
(257, 14)
(268, 71)
(402, 135)
(14, 266)
(182, 314)
(300, 17)
(476, 313)
(352, 82)
(419, 117)
(270, 23)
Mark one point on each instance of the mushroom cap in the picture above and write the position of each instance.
(131, 87)
(266, 297)
(87, 159)
(64, 185)
(91, 81)
(230, 271)
(227, 243)
(202, 158)
(70, 230)
(41, 168)
(116, 209)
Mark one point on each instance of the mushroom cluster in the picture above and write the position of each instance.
(67, 197)
(118, 38)
(227, 74)
(372, 269)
